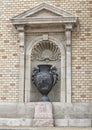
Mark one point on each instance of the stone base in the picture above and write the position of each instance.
(43, 114)
(45, 128)
(43, 122)
(26, 122)
(65, 114)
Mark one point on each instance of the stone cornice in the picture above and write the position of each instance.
(34, 20)
(45, 14)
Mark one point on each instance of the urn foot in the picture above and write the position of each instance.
(44, 98)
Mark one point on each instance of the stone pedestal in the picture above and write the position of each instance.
(43, 114)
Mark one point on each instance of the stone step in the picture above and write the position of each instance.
(45, 128)
(27, 122)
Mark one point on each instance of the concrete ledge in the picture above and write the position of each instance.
(61, 122)
(65, 114)
(80, 122)
(58, 122)
(60, 110)
(15, 122)
(73, 122)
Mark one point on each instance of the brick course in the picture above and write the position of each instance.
(81, 48)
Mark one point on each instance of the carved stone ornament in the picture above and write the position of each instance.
(45, 19)
(46, 51)
(45, 14)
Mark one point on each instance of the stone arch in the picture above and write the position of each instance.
(28, 88)
(58, 21)
(40, 38)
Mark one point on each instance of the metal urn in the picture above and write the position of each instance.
(44, 77)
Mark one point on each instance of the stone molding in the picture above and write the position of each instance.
(68, 61)
(22, 62)
(57, 16)
(41, 16)
(42, 6)
(46, 51)
(28, 66)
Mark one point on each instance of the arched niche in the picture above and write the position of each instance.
(45, 52)
(45, 22)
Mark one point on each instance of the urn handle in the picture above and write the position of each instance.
(55, 74)
(35, 71)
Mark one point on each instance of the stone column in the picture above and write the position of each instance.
(21, 76)
(68, 62)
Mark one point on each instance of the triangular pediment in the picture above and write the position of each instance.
(45, 14)
(44, 10)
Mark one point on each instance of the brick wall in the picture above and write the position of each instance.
(81, 48)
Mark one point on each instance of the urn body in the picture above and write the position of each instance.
(43, 78)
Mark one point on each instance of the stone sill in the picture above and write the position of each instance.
(58, 122)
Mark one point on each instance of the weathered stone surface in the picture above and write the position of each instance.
(60, 110)
(43, 110)
(61, 122)
(80, 122)
(30, 108)
(43, 114)
(22, 114)
(72, 110)
(14, 122)
(8, 110)
(43, 122)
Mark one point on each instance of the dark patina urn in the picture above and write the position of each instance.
(44, 77)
